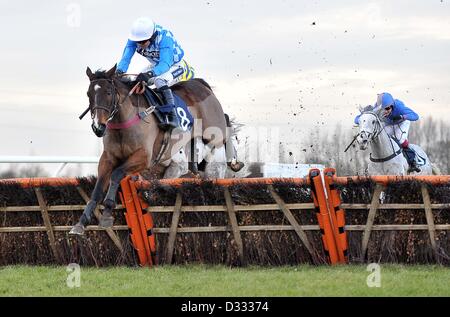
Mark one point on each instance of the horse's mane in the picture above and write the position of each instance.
(128, 81)
(371, 109)
(367, 108)
(100, 74)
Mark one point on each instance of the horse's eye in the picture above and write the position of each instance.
(373, 122)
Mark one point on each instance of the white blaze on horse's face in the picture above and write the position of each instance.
(96, 118)
(367, 129)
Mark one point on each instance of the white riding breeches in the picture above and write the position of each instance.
(399, 131)
(178, 72)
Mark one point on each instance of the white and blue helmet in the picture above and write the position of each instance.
(385, 100)
(143, 29)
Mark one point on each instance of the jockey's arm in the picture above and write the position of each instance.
(165, 56)
(409, 114)
(128, 53)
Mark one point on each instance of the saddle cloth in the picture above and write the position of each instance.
(411, 155)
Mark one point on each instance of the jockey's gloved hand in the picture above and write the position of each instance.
(397, 118)
(145, 76)
(119, 72)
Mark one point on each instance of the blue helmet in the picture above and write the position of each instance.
(385, 100)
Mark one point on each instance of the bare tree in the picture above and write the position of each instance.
(27, 171)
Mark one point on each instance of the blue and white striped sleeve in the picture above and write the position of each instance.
(165, 56)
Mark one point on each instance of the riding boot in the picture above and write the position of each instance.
(171, 119)
(410, 155)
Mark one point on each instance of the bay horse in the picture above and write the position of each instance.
(133, 142)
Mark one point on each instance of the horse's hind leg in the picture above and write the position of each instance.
(104, 172)
(135, 163)
(230, 149)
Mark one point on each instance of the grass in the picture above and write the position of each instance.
(201, 280)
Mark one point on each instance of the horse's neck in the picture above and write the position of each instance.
(137, 136)
(128, 109)
(383, 146)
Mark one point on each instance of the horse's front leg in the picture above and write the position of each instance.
(135, 163)
(105, 168)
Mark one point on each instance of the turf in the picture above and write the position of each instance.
(200, 280)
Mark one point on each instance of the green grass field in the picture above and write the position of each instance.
(199, 280)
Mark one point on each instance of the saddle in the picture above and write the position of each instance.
(155, 98)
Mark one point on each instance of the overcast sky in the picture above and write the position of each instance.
(290, 64)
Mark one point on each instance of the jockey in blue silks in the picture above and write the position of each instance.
(398, 119)
(166, 64)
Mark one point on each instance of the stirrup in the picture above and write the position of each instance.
(414, 168)
(170, 121)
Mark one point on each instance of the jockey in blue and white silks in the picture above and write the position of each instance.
(166, 64)
(397, 117)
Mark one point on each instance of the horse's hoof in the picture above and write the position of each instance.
(106, 222)
(78, 230)
(236, 167)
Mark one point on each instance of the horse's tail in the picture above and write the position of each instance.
(203, 82)
(435, 170)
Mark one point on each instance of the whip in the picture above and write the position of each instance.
(354, 139)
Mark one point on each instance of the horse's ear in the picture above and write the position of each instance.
(89, 73)
(111, 72)
(379, 112)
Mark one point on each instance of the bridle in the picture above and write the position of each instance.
(373, 135)
(139, 89)
(113, 108)
(377, 129)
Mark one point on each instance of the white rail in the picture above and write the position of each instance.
(64, 160)
(48, 159)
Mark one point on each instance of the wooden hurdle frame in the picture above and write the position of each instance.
(139, 222)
